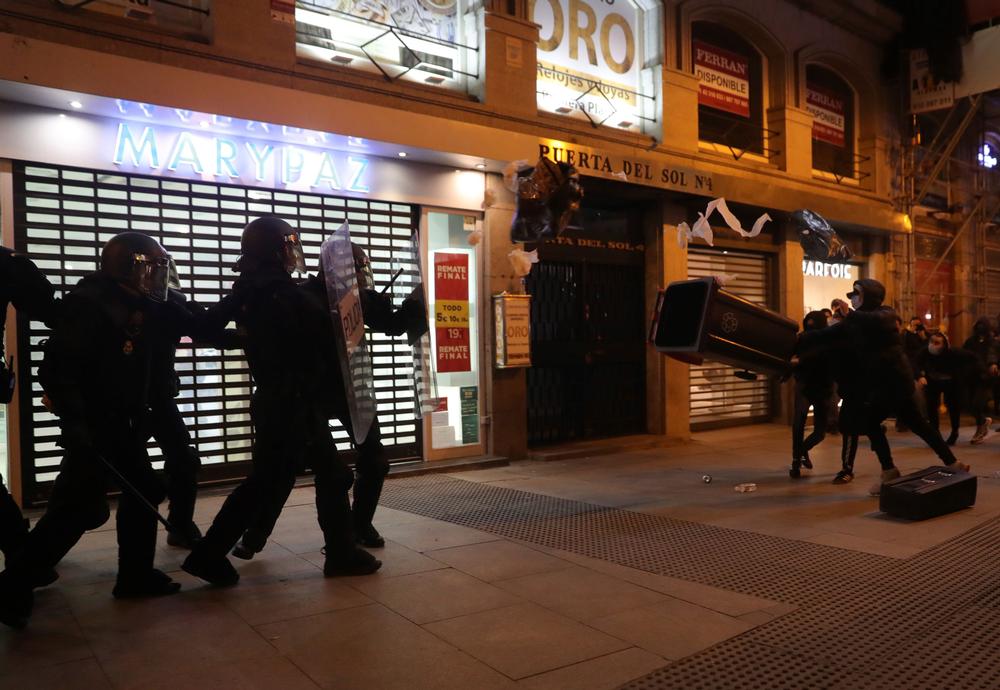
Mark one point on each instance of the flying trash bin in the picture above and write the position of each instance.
(696, 320)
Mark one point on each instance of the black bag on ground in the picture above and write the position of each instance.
(928, 493)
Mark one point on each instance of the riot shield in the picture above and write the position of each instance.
(354, 355)
(410, 285)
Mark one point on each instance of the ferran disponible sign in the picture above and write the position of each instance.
(219, 157)
(590, 59)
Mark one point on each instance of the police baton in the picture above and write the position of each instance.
(130, 488)
(392, 282)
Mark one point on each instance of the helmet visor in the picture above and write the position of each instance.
(151, 276)
(295, 256)
(174, 278)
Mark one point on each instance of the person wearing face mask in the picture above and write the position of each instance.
(982, 345)
(874, 377)
(941, 371)
(840, 310)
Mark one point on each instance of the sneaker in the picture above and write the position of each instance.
(806, 462)
(184, 537)
(356, 562)
(155, 583)
(795, 472)
(216, 570)
(887, 476)
(843, 477)
(981, 432)
(369, 537)
(960, 466)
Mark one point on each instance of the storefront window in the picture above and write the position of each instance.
(831, 102)
(190, 17)
(452, 291)
(598, 61)
(822, 283)
(432, 42)
(730, 87)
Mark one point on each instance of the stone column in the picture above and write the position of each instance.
(791, 286)
(680, 110)
(793, 141)
(677, 421)
(508, 432)
(508, 64)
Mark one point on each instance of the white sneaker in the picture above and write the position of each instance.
(887, 476)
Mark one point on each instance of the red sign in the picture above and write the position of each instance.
(723, 79)
(451, 312)
(827, 109)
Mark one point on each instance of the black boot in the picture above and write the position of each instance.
(354, 562)
(250, 545)
(369, 536)
(16, 601)
(184, 536)
(806, 462)
(216, 570)
(154, 583)
(796, 471)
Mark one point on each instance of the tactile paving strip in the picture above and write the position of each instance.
(863, 622)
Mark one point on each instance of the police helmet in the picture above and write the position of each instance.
(363, 268)
(270, 241)
(138, 262)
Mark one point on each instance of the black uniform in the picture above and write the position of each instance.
(282, 329)
(96, 372)
(983, 346)
(372, 465)
(813, 387)
(948, 374)
(24, 286)
(874, 377)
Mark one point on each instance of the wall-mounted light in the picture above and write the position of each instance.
(986, 157)
(481, 166)
(75, 104)
(402, 154)
(928, 316)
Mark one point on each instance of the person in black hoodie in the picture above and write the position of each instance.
(813, 387)
(943, 371)
(874, 377)
(983, 347)
(287, 355)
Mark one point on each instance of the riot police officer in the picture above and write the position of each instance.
(24, 286)
(372, 465)
(287, 362)
(96, 372)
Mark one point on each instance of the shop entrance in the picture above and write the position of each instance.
(588, 373)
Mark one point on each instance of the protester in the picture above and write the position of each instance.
(813, 388)
(983, 347)
(943, 371)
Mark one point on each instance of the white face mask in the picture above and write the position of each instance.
(857, 300)
(935, 349)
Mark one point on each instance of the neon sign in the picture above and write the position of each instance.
(222, 157)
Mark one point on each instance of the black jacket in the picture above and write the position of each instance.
(96, 368)
(24, 286)
(982, 345)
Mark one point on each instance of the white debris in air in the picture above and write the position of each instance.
(703, 228)
(521, 261)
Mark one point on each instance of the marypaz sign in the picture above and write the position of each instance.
(723, 78)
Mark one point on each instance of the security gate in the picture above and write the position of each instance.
(588, 373)
(62, 218)
(718, 397)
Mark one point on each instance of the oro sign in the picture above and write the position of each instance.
(512, 326)
(590, 54)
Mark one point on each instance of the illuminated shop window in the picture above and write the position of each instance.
(830, 100)
(425, 41)
(182, 16)
(598, 61)
(987, 156)
(730, 88)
